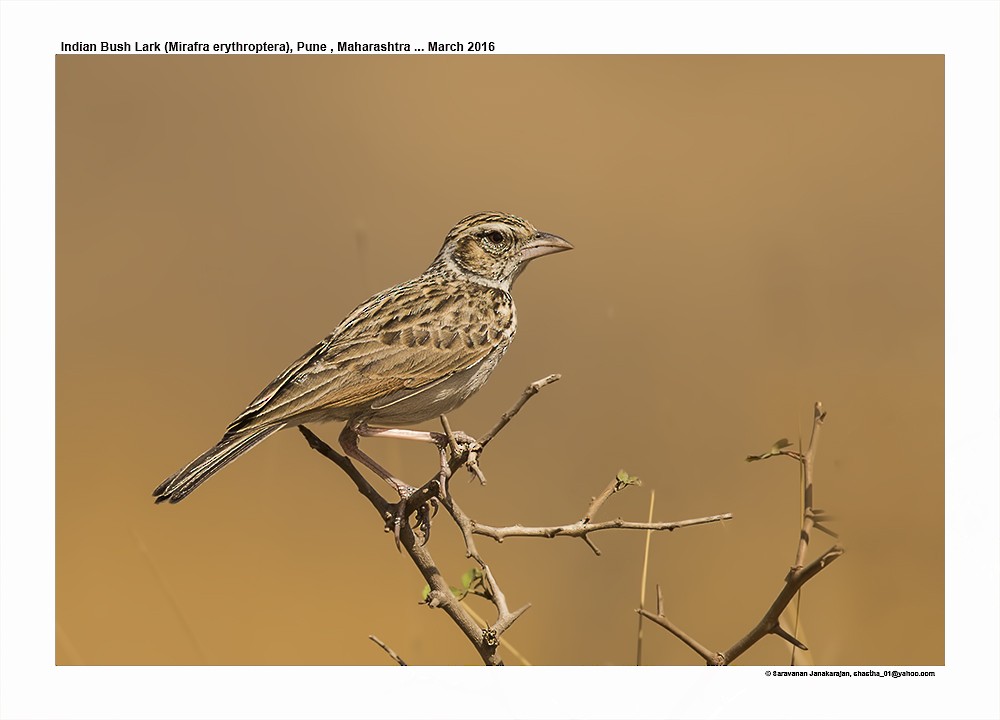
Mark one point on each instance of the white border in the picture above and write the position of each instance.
(31, 687)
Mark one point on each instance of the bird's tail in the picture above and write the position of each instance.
(183, 482)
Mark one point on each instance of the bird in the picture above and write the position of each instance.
(406, 355)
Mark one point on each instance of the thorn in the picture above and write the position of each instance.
(780, 632)
(826, 530)
(593, 547)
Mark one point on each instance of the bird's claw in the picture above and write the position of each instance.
(422, 521)
(472, 463)
(394, 520)
(469, 449)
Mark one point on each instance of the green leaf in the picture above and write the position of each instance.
(457, 592)
(470, 576)
(624, 478)
(780, 445)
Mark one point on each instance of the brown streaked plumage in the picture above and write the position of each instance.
(405, 355)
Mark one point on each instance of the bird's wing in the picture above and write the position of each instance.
(408, 338)
(251, 414)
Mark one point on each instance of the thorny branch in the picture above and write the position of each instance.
(582, 528)
(798, 575)
(389, 650)
(485, 640)
(529, 392)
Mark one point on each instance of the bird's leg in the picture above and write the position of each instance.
(436, 438)
(349, 442)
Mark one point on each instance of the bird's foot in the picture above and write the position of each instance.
(398, 513)
(464, 446)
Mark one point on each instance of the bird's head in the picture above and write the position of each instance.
(495, 247)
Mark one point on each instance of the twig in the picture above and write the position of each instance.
(485, 640)
(621, 481)
(769, 623)
(581, 529)
(584, 527)
(392, 653)
(528, 393)
(465, 524)
(710, 657)
(808, 463)
(797, 576)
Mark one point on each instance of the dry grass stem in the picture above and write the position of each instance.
(642, 584)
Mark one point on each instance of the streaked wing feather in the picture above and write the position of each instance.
(385, 402)
(373, 354)
(245, 418)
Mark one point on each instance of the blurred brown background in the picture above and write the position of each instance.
(753, 234)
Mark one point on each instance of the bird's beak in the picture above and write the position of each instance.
(543, 244)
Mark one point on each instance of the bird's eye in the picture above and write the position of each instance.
(495, 241)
